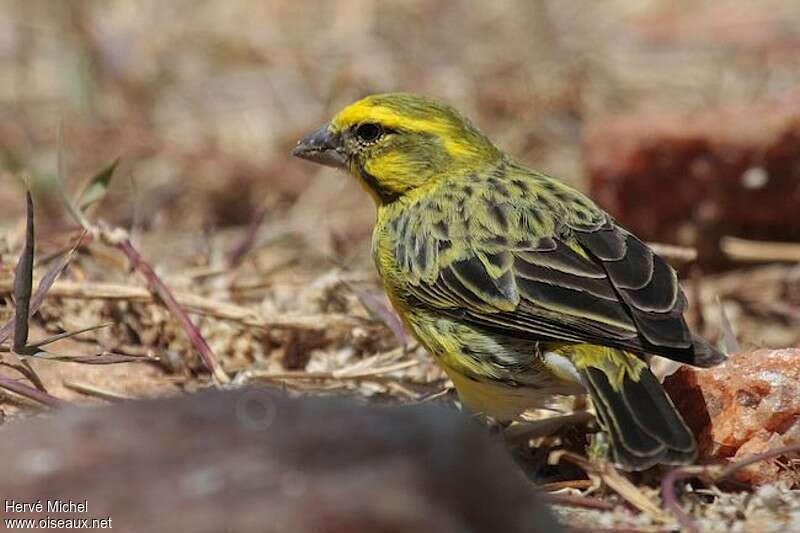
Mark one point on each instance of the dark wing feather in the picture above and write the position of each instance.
(594, 283)
(562, 296)
(649, 288)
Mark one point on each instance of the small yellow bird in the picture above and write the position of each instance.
(520, 286)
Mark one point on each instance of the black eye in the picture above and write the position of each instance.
(369, 131)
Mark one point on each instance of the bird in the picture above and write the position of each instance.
(518, 285)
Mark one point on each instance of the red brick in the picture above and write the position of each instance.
(732, 171)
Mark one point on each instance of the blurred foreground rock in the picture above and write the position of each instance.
(683, 178)
(255, 460)
(749, 405)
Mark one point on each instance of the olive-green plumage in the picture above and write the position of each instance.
(519, 285)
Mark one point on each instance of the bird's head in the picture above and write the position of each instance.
(395, 143)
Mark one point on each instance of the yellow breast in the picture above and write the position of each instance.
(502, 402)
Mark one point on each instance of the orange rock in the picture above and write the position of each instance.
(764, 471)
(749, 405)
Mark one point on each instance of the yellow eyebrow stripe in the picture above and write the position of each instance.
(360, 112)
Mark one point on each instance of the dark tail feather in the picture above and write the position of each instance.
(644, 427)
(705, 354)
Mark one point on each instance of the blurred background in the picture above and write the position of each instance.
(203, 99)
(681, 118)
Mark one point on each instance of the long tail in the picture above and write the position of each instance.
(644, 426)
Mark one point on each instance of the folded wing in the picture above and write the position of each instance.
(594, 283)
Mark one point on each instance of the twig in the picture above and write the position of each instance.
(91, 390)
(679, 254)
(373, 373)
(578, 484)
(65, 335)
(524, 431)
(781, 309)
(753, 280)
(389, 357)
(573, 500)
(670, 498)
(350, 374)
(24, 368)
(95, 191)
(620, 484)
(435, 396)
(101, 358)
(731, 469)
(715, 473)
(760, 251)
(397, 388)
(204, 306)
(31, 393)
(165, 294)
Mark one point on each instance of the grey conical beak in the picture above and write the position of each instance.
(323, 147)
